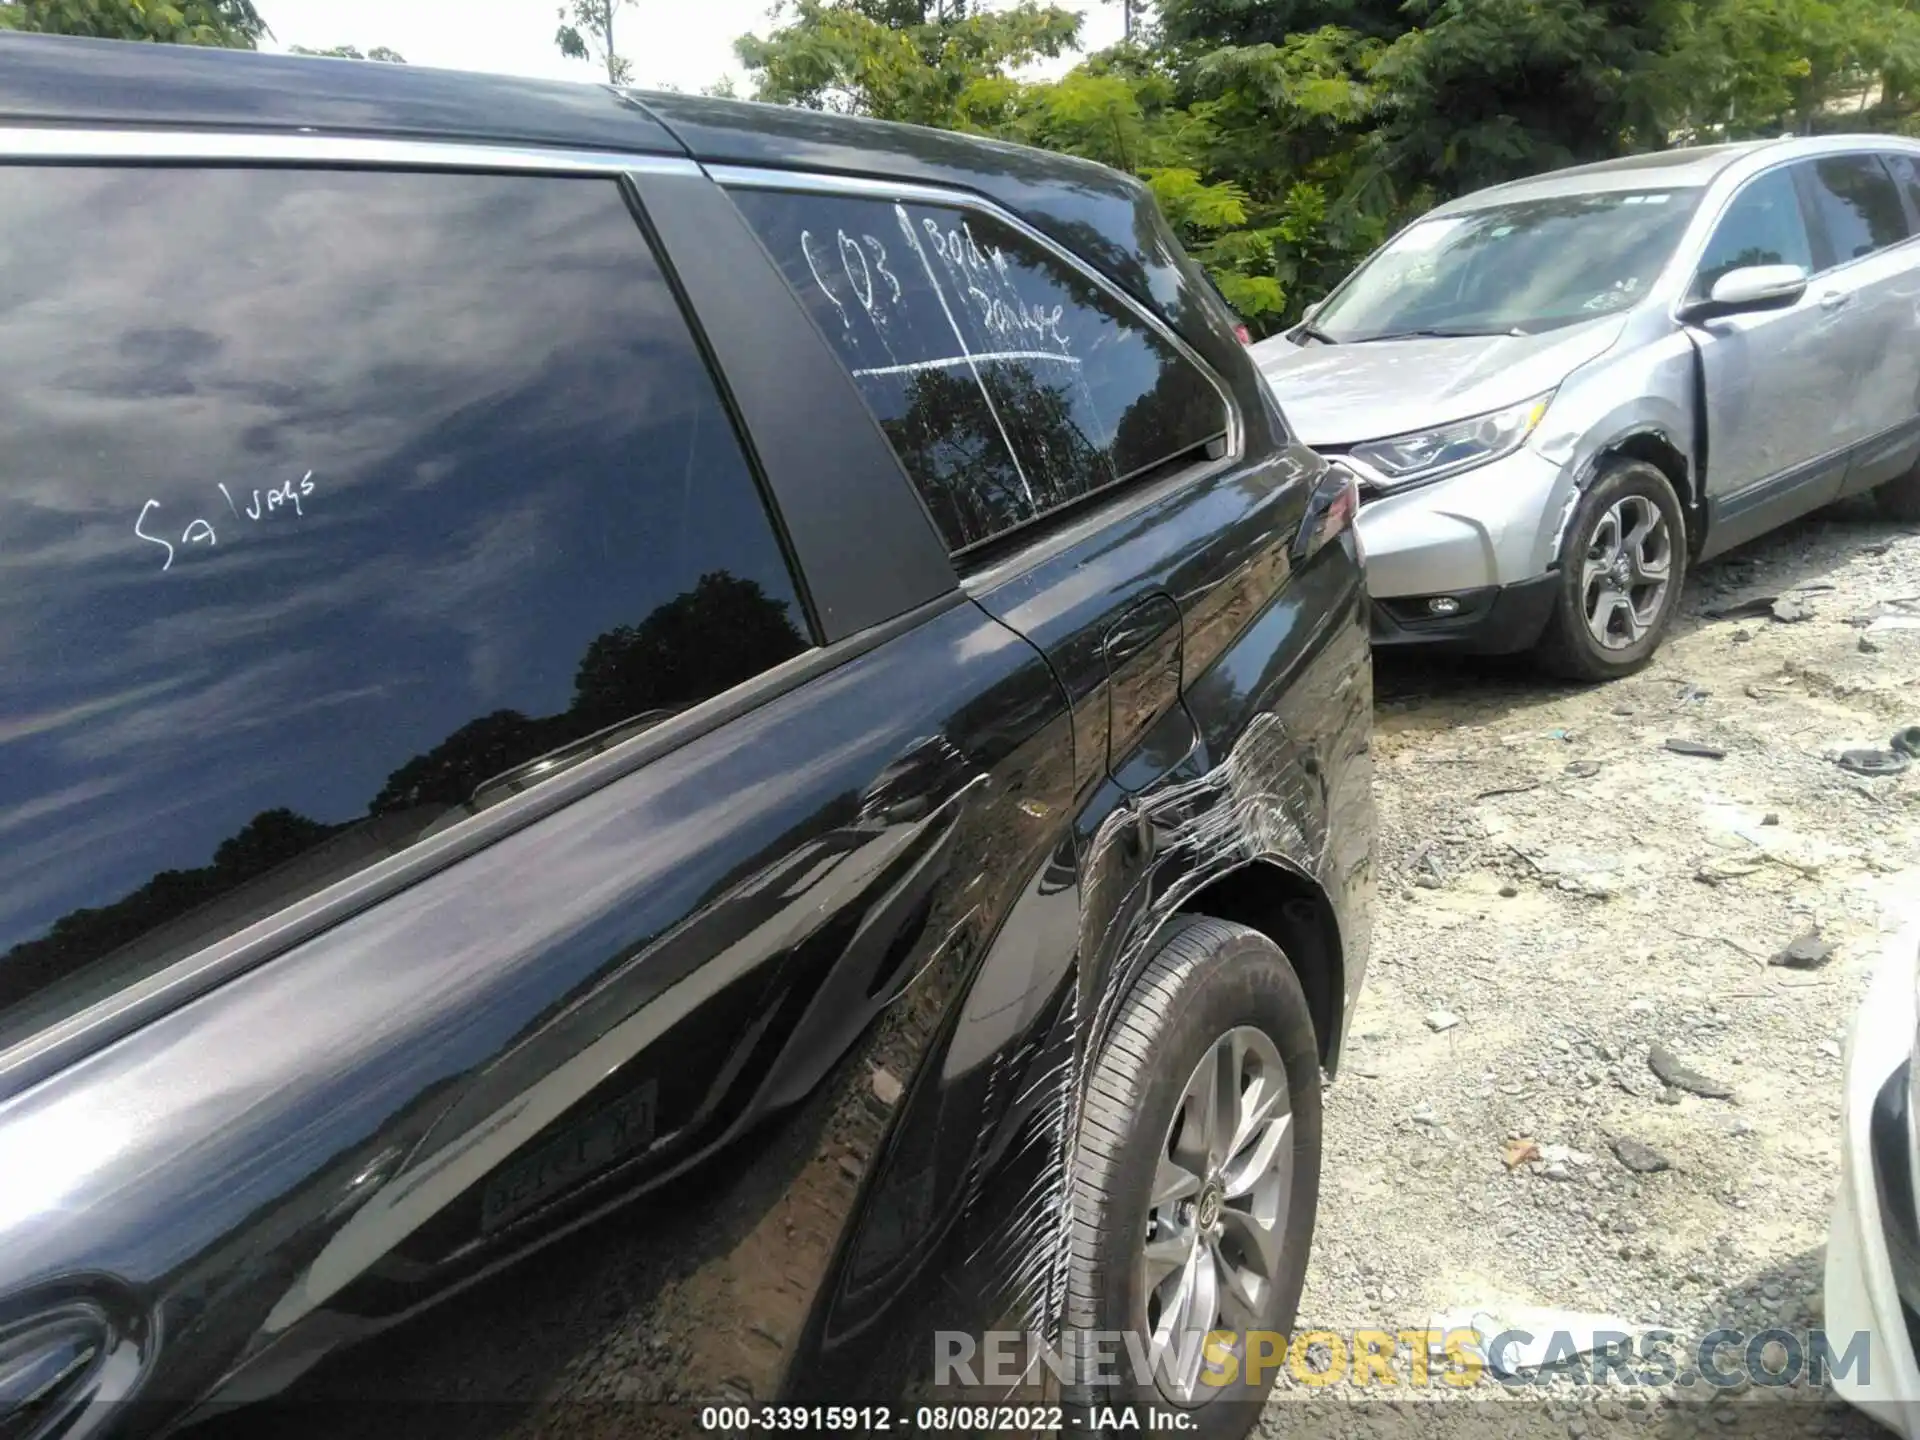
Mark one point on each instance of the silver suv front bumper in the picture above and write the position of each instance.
(1495, 525)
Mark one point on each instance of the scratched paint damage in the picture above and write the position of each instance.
(1258, 804)
(1567, 507)
(1614, 450)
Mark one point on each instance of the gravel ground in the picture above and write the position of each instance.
(1574, 893)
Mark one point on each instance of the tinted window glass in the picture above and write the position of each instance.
(330, 500)
(1858, 205)
(1009, 383)
(1906, 172)
(1763, 226)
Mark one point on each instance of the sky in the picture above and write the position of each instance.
(683, 43)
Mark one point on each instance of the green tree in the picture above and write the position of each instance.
(835, 55)
(1198, 26)
(1343, 118)
(1293, 126)
(586, 33)
(904, 14)
(232, 24)
(1487, 90)
(1742, 68)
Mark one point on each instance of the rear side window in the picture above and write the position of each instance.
(1858, 204)
(336, 507)
(1010, 383)
(1906, 173)
(1764, 225)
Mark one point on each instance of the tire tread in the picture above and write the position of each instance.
(1120, 1078)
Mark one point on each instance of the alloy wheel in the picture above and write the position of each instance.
(1624, 578)
(1218, 1214)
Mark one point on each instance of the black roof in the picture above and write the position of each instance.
(64, 81)
(55, 80)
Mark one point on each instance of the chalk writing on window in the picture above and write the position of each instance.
(153, 526)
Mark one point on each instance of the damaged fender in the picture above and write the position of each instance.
(1292, 780)
(1589, 424)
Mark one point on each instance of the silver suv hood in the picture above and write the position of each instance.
(1338, 395)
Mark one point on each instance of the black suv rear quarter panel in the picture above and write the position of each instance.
(1277, 683)
(1219, 545)
(1278, 689)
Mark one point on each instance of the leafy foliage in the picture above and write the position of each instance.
(870, 57)
(232, 24)
(904, 14)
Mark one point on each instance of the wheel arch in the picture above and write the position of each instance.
(1654, 445)
(1293, 911)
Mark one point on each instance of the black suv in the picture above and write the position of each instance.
(659, 757)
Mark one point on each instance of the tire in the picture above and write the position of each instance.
(1623, 497)
(1210, 986)
(1900, 499)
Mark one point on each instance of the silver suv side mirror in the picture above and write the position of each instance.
(1751, 287)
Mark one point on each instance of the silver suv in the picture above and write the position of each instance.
(1557, 392)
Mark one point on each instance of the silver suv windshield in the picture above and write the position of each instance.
(1522, 267)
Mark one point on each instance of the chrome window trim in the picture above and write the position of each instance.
(41, 144)
(741, 177)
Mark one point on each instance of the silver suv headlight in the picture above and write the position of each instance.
(1426, 455)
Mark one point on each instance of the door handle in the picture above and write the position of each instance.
(1835, 299)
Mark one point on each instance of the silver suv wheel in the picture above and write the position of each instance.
(1622, 562)
(1628, 565)
(1196, 1177)
(1219, 1210)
